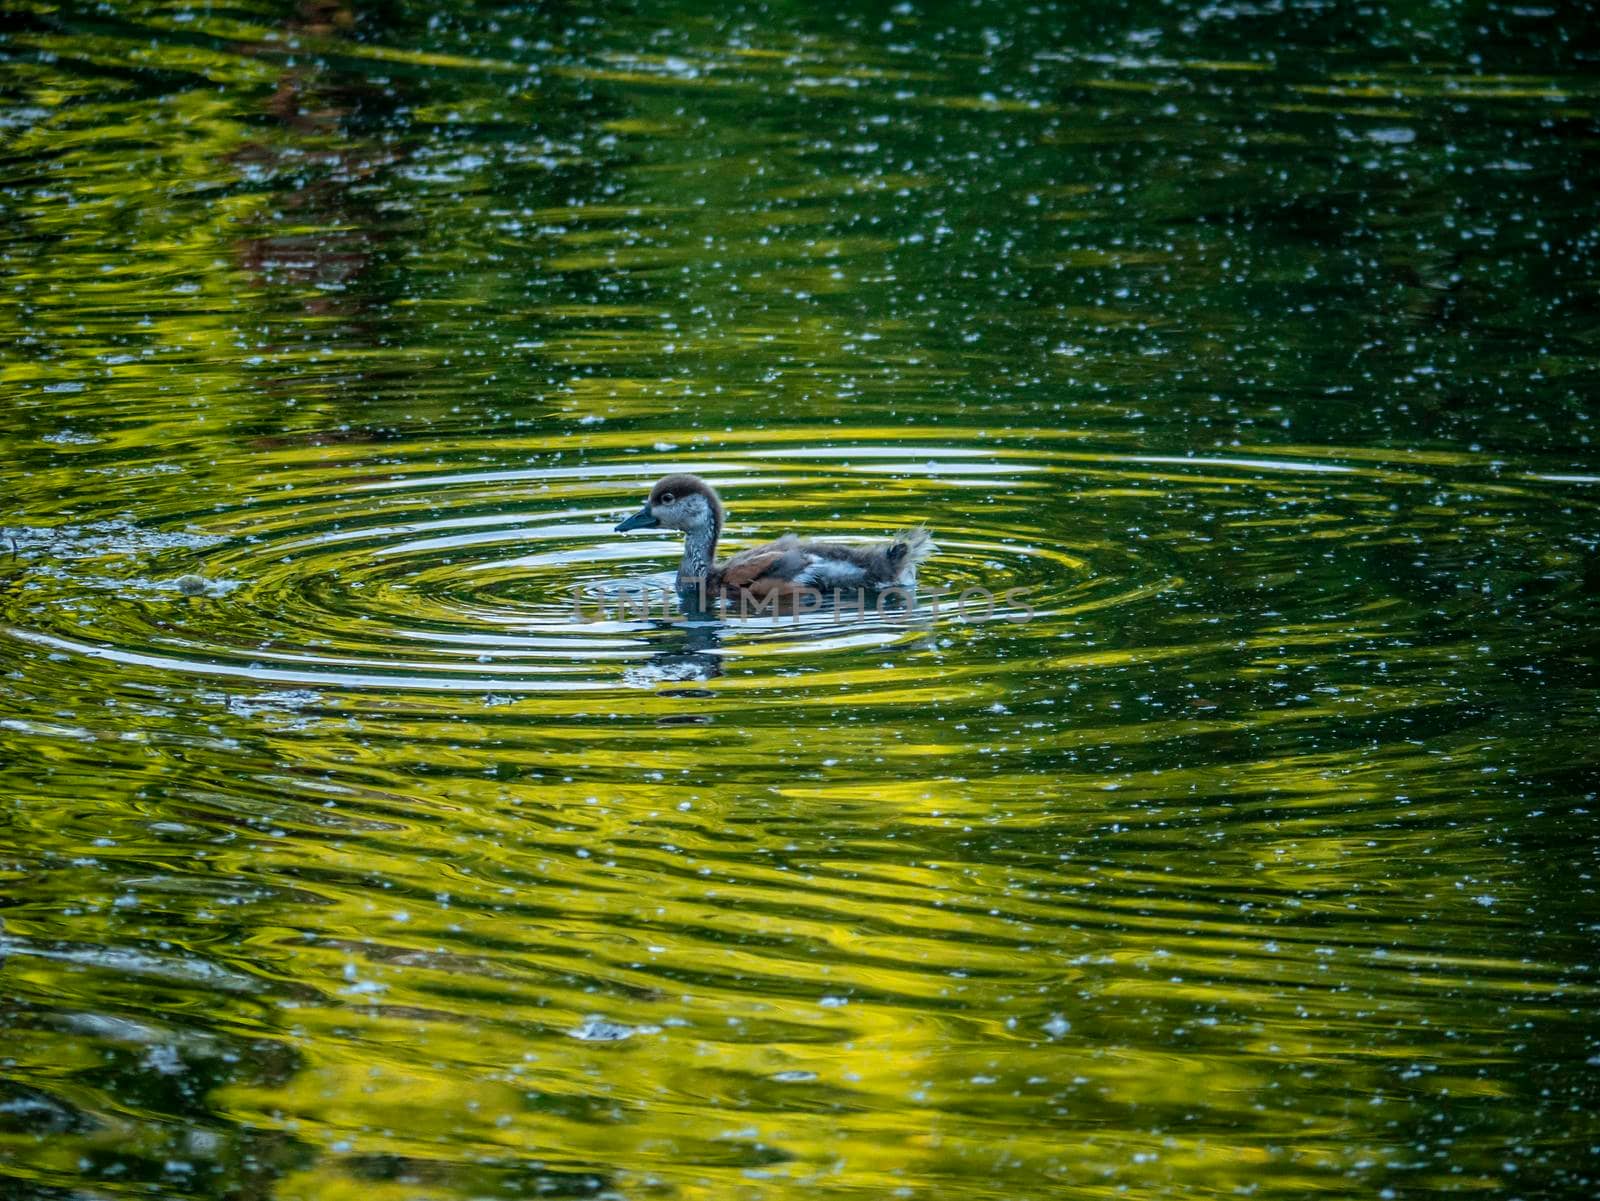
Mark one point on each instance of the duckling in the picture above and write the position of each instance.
(789, 568)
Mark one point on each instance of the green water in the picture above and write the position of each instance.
(1260, 346)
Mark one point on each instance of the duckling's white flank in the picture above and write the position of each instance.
(786, 568)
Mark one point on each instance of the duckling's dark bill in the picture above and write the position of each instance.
(644, 519)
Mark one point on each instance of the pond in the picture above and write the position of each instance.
(358, 840)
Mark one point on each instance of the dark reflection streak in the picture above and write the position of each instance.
(316, 107)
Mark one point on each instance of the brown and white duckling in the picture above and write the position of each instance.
(788, 567)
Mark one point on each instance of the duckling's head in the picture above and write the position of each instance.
(679, 502)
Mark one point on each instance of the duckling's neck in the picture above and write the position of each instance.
(699, 553)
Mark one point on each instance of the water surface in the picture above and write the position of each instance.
(1258, 346)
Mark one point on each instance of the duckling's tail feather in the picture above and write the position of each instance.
(910, 547)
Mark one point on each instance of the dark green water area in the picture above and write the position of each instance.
(1254, 856)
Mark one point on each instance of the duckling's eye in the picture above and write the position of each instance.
(666, 498)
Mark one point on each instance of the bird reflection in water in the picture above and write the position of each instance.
(689, 653)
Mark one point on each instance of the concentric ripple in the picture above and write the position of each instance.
(419, 572)
(402, 576)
